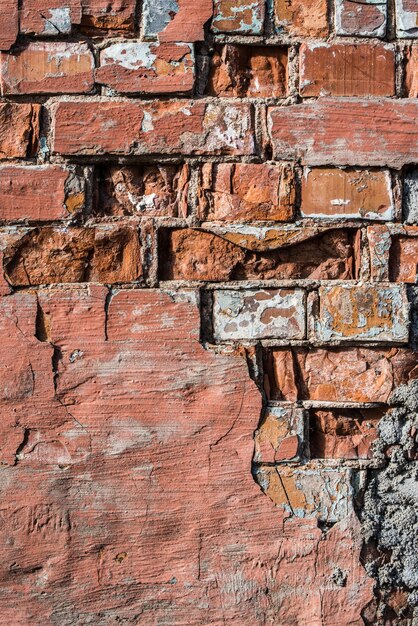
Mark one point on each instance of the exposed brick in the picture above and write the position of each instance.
(46, 255)
(19, 129)
(48, 18)
(406, 18)
(346, 70)
(344, 193)
(280, 435)
(197, 255)
(254, 71)
(163, 127)
(105, 15)
(39, 192)
(346, 132)
(362, 18)
(410, 196)
(301, 18)
(145, 190)
(343, 433)
(9, 23)
(338, 375)
(259, 314)
(403, 265)
(239, 17)
(247, 191)
(366, 312)
(173, 21)
(412, 72)
(48, 68)
(140, 67)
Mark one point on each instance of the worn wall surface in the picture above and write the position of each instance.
(209, 246)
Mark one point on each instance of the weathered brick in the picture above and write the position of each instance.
(346, 70)
(403, 264)
(47, 18)
(366, 312)
(47, 68)
(108, 15)
(191, 254)
(346, 132)
(39, 192)
(410, 196)
(253, 71)
(173, 21)
(45, 255)
(343, 433)
(131, 127)
(344, 193)
(145, 190)
(19, 129)
(140, 67)
(406, 18)
(412, 72)
(280, 435)
(247, 191)
(9, 23)
(338, 374)
(259, 314)
(239, 17)
(361, 18)
(301, 18)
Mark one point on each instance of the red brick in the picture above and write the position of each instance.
(302, 19)
(346, 132)
(239, 17)
(9, 23)
(46, 255)
(246, 192)
(406, 18)
(343, 193)
(48, 18)
(339, 375)
(145, 190)
(183, 20)
(412, 72)
(280, 435)
(346, 70)
(403, 257)
(19, 129)
(139, 67)
(108, 15)
(252, 71)
(48, 68)
(39, 192)
(363, 18)
(182, 126)
(197, 255)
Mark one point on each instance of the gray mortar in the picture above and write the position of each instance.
(389, 513)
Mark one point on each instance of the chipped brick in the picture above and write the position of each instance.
(19, 129)
(406, 18)
(361, 18)
(300, 18)
(108, 15)
(280, 435)
(48, 18)
(175, 20)
(238, 17)
(412, 72)
(403, 263)
(9, 23)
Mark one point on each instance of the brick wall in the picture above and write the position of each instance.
(209, 244)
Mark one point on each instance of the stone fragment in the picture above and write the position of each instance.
(251, 71)
(403, 263)
(172, 21)
(260, 314)
(239, 17)
(406, 18)
(361, 18)
(332, 193)
(343, 433)
(9, 23)
(19, 129)
(47, 68)
(48, 18)
(144, 190)
(302, 19)
(247, 192)
(39, 192)
(410, 196)
(165, 127)
(412, 72)
(110, 254)
(340, 374)
(366, 312)
(346, 132)
(191, 254)
(346, 70)
(140, 67)
(280, 435)
(108, 15)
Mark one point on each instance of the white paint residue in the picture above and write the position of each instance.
(131, 55)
